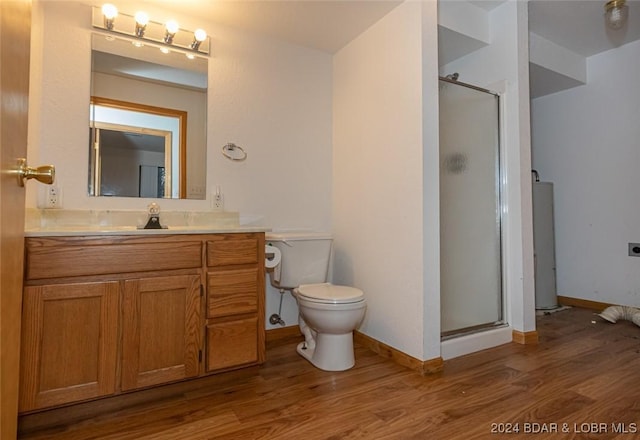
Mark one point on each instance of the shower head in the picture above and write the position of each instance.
(453, 76)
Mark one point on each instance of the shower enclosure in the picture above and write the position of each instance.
(470, 209)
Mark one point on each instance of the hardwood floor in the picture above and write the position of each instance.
(583, 376)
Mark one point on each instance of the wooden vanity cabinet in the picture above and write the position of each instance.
(105, 315)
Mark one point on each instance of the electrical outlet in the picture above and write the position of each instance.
(218, 199)
(53, 197)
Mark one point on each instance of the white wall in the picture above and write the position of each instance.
(503, 67)
(270, 97)
(585, 140)
(430, 182)
(377, 172)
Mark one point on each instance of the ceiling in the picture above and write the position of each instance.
(328, 25)
(577, 25)
(319, 24)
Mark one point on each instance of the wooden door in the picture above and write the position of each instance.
(15, 39)
(161, 330)
(70, 340)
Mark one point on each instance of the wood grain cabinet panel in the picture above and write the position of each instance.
(69, 343)
(160, 330)
(232, 292)
(79, 259)
(232, 343)
(235, 301)
(228, 250)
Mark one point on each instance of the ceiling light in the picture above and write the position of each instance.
(616, 13)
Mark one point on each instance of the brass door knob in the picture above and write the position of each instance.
(45, 174)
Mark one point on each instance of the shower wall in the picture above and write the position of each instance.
(470, 236)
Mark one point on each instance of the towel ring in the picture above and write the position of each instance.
(234, 152)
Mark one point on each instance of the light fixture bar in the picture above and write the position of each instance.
(143, 29)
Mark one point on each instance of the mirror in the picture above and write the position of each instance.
(147, 120)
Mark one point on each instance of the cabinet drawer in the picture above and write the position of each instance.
(86, 260)
(232, 343)
(232, 292)
(227, 252)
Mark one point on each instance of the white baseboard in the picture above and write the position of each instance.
(455, 347)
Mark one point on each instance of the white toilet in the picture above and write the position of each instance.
(328, 314)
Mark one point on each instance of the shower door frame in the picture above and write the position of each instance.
(500, 186)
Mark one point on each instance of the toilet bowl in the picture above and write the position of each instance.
(328, 315)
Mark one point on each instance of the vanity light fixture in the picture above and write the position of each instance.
(109, 12)
(616, 13)
(142, 28)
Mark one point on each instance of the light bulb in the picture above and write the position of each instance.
(200, 35)
(172, 26)
(141, 23)
(109, 11)
(142, 18)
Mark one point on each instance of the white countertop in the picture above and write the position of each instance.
(71, 231)
(69, 223)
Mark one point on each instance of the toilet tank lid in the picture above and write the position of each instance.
(297, 235)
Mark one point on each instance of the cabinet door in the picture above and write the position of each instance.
(232, 343)
(69, 343)
(161, 330)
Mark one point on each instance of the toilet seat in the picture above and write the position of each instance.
(327, 293)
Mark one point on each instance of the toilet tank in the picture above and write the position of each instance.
(305, 258)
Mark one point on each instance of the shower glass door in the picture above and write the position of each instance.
(470, 214)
